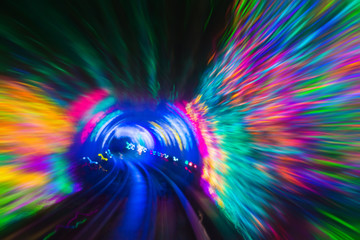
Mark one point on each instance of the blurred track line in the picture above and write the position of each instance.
(51, 219)
(198, 228)
(137, 222)
(96, 224)
(134, 197)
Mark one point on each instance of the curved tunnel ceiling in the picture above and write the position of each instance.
(160, 135)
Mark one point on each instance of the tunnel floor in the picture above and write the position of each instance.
(131, 201)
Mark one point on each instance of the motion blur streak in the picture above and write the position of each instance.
(157, 119)
(33, 171)
(278, 110)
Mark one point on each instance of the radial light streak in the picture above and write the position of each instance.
(279, 113)
(33, 171)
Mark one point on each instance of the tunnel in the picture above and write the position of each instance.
(179, 119)
(160, 135)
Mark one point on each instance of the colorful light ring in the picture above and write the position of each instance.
(278, 111)
(161, 128)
